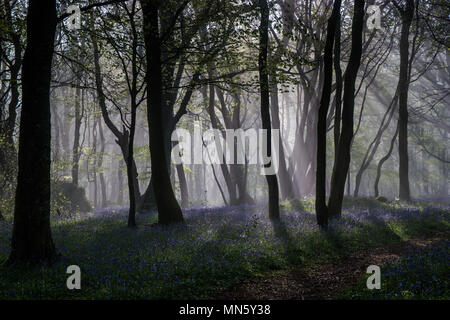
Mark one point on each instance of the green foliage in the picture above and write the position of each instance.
(297, 205)
(381, 199)
(68, 199)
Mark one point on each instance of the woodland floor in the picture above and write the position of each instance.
(238, 253)
(326, 281)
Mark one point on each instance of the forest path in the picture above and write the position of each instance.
(324, 281)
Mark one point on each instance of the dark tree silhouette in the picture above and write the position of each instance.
(169, 210)
(272, 183)
(31, 240)
(407, 14)
(321, 208)
(342, 162)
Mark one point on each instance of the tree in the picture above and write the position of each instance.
(288, 20)
(169, 210)
(179, 30)
(407, 14)
(308, 61)
(272, 183)
(32, 240)
(382, 161)
(321, 208)
(124, 138)
(76, 137)
(342, 162)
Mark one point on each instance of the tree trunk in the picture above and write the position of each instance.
(231, 187)
(342, 162)
(373, 146)
(119, 183)
(133, 184)
(321, 207)
(382, 161)
(66, 125)
(168, 209)
(272, 183)
(76, 137)
(147, 201)
(95, 164)
(183, 186)
(132, 178)
(57, 133)
(100, 164)
(285, 179)
(31, 238)
(407, 15)
(122, 137)
(338, 93)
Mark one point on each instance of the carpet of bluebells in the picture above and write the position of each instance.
(422, 274)
(216, 248)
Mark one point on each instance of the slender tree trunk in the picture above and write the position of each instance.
(349, 180)
(130, 173)
(272, 183)
(133, 184)
(198, 184)
(123, 138)
(95, 165)
(168, 209)
(66, 125)
(183, 186)
(100, 164)
(31, 237)
(285, 179)
(382, 161)
(445, 173)
(119, 183)
(76, 137)
(371, 150)
(342, 162)
(231, 187)
(57, 129)
(407, 15)
(233, 122)
(338, 93)
(321, 207)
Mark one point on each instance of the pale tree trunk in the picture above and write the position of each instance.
(119, 183)
(100, 164)
(76, 136)
(285, 179)
(183, 186)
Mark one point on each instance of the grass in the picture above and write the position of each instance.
(217, 247)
